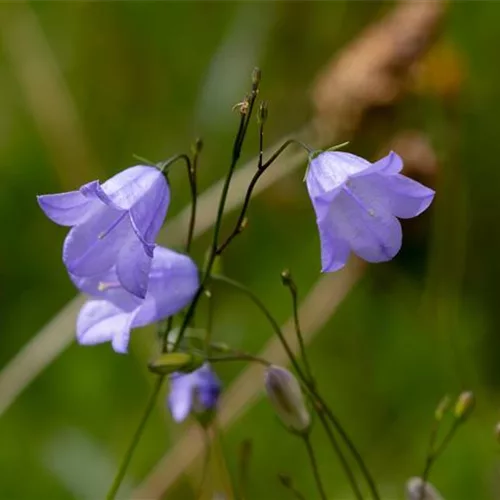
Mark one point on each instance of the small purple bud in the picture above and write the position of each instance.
(287, 399)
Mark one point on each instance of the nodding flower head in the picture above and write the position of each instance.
(113, 225)
(357, 204)
(196, 392)
(416, 489)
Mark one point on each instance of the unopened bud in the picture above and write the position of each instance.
(442, 408)
(262, 115)
(243, 225)
(464, 405)
(287, 399)
(287, 280)
(416, 489)
(198, 145)
(497, 432)
(256, 76)
(175, 362)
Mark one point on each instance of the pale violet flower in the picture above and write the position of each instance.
(195, 392)
(357, 204)
(113, 311)
(113, 225)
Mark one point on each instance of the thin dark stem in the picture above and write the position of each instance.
(433, 455)
(192, 174)
(340, 454)
(310, 389)
(238, 143)
(352, 448)
(135, 440)
(292, 287)
(314, 465)
(260, 170)
(239, 356)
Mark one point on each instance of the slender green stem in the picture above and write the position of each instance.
(343, 461)
(352, 448)
(287, 483)
(193, 186)
(246, 203)
(292, 287)
(434, 454)
(238, 356)
(310, 389)
(238, 143)
(314, 465)
(135, 440)
(163, 330)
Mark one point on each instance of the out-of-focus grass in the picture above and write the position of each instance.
(403, 338)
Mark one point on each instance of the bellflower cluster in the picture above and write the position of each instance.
(110, 254)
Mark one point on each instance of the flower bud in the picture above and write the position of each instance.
(416, 489)
(464, 405)
(442, 408)
(263, 112)
(175, 362)
(256, 76)
(497, 432)
(287, 399)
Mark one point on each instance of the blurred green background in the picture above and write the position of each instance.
(147, 78)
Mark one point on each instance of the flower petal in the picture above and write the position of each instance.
(390, 164)
(180, 397)
(67, 209)
(92, 247)
(373, 234)
(331, 169)
(101, 321)
(208, 386)
(132, 267)
(173, 281)
(148, 213)
(334, 250)
(126, 188)
(408, 198)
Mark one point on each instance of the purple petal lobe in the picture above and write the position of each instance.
(180, 397)
(407, 197)
(208, 387)
(388, 165)
(92, 247)
(101, 321)
(372, 232)
(133, 267)
(334, 250)
(126, 188)
(67, 209)
(173, 281)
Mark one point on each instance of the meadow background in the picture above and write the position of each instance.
(85, 85)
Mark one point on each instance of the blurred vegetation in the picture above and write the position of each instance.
(147, 78)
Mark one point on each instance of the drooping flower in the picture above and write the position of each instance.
(113, 225)
(416, 489)
(195, 392)
(113, 311)
(287, 399)
(357, 204)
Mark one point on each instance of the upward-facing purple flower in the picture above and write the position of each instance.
(197, 391)
(357, 204)
(113, 311)
(114, 225)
